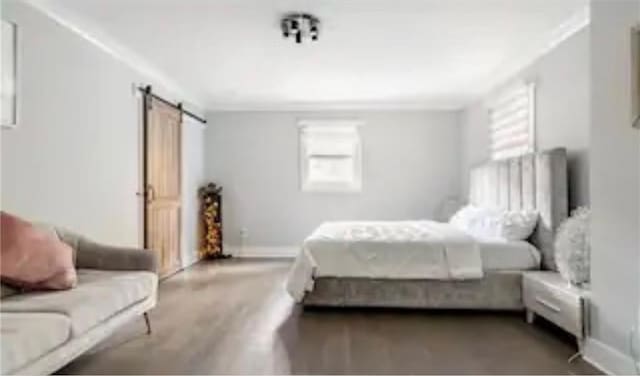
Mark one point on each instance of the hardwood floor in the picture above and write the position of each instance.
(234, 317)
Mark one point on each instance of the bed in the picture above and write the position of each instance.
(478, 274)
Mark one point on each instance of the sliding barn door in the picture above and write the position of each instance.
(163, 177)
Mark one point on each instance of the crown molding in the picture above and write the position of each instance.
(517, 63)
(505, 72)
(453, 105)
(575, 23)
(102, 40)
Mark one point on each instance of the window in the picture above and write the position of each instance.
(330, 156)
(512, 122)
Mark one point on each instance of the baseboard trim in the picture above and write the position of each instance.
(261, 251)
(608, 359)
(188, 262)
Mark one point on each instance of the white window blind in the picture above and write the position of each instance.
(512, 122)
(330, 156)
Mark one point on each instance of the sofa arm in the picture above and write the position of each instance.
(92, 255)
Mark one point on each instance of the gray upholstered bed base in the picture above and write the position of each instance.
(535, 181)
(500, 290)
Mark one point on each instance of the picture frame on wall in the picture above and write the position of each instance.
(9, 75)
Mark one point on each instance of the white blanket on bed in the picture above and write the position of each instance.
(397, 250)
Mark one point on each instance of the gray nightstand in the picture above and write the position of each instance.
(548, 295)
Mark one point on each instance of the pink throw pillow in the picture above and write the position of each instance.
(33, 258)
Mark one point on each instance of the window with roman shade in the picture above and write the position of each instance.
(330, 156)
(512, 122)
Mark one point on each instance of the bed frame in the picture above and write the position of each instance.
(535, 181)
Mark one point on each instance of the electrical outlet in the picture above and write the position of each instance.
(244, 233)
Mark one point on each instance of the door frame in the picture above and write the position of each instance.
(144, 192)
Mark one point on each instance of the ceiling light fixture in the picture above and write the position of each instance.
(300, 26)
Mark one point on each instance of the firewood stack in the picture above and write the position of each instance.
(211, 221)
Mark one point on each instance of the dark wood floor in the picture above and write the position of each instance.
(235, 317)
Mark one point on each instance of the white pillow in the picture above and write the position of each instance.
(486, 223)
(518, 225)
(467, 217)
(475, 221)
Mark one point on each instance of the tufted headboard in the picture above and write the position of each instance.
(534, 181)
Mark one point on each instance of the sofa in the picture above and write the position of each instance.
(42, 331)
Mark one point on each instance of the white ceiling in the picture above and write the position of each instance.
(229, 54)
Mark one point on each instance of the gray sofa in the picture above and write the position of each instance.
(40, 332)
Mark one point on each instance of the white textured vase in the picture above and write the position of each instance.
(573, 249)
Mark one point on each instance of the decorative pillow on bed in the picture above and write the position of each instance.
(518, 225)
(466, 217)
(486, 223)
(476, 221)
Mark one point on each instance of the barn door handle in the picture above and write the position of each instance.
(151, 193)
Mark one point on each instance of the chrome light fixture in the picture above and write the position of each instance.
(300, 26)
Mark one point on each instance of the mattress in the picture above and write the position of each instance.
(511, 255)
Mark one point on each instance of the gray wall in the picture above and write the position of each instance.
(410, 165)
(615, 187)
(562, 113)
(73, 159)
(192, 178)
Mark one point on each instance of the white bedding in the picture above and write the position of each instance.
(394, 250)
